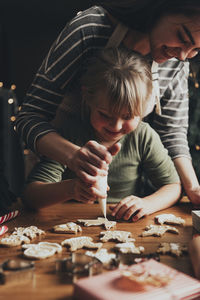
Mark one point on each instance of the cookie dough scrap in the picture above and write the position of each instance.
(169, 219)
(158, 230)
(102, 255)
(129, 248)
(97, 222)
(41, 250)
(119, 235)
(31, 232)
(172, 248)
(69, 227)
(80, 242)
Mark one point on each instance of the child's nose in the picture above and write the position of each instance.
(116, 124)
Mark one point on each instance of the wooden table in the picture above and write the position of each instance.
(46, 283)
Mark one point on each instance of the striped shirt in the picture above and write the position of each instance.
(61, 70)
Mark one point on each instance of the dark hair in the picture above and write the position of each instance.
(142, 15)
(125, 77)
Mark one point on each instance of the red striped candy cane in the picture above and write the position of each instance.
(9, 216)
(3, 229)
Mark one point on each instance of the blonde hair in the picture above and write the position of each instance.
(124, 75)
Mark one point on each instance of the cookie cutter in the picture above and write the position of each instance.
(131, 258)
(78, 265)
(16, 271)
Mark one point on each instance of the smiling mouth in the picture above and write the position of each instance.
(113, 134)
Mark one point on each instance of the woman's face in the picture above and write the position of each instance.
(175, 36)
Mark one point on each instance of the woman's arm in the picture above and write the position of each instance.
(135, 207)
(59, 73)
(172, 127)
(188, 178)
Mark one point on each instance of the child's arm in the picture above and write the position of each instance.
(134, 207)
(40, 194)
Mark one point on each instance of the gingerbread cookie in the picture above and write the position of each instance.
(14, 240)
(119, 235)
(169, 219)
(69, 227)
(97, 222)
(41, 250)
(102, 255)
(31, 232)
(21, 235)
(129, 248)
(80, 242)
(158, 230)
(172, 248)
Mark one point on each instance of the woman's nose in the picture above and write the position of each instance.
(186, 53)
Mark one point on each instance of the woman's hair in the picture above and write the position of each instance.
(125, 77)
(142, 15)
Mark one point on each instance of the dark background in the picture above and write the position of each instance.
(27, 30)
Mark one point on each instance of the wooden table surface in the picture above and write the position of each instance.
(46, 283)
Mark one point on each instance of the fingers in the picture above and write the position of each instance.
(91, 160)
(87, 193)
(114, 149)
(130, 207)
(100, 154)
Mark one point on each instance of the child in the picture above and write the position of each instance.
(115, 96)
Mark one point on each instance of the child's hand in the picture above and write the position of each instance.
(130, 207)
(86, 193)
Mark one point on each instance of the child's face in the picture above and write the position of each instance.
(110, 128)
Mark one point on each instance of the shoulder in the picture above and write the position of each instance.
(172, 67)
(145, 137)
(90, 20)
(144, 130)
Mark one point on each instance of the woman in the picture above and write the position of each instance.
(159, 29)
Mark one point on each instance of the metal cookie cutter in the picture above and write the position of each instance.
(16, 271)
(130, 258)
(78, 265)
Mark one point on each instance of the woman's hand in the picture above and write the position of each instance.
(87, 193)
(130, 207)
(92, 160)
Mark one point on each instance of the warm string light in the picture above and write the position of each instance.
(197, 147)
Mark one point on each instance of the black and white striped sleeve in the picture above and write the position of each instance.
(85, 34)
(172, 124)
